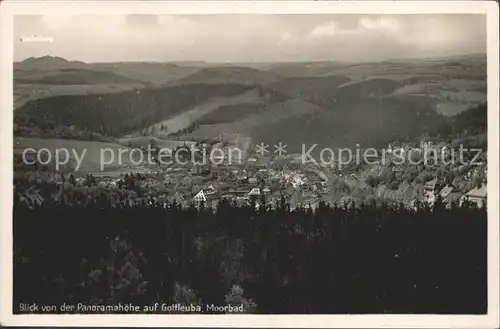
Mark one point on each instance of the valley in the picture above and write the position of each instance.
(397, 98)
(330, 105)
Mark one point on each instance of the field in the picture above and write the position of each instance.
(89, 153)
(143, 141)
(190, 116)
(230, 113)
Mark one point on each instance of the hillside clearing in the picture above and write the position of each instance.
(189, 117)
(91, 157)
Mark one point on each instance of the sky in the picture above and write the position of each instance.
(245, 37)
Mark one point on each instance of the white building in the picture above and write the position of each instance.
(254, 192)
(476, 195)
(200, 197)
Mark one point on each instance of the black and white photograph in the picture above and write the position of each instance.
(249, 163)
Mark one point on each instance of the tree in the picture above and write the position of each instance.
(394, 185)
(389, 176)
(478, 181)
(235, 297)
(184, 295)
(288, 261)
(411, 173)
(423, 177)
(449, 177)
(118, 277)
(373, 181)
(230, 267)
(72, 179)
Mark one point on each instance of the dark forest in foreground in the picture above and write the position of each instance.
(334, 260)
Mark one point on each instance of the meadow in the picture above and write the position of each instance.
(89, 151)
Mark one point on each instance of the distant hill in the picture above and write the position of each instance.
(332, 104)
(229, 75)
(118, 113)
(364, 122)
(48, 63)
(305, 70)
(153, 73)
(48, 70)
(473, 120)
(36, 78)
(70, 76)
(57, 70)
(312, 89)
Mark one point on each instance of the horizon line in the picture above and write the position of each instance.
(260, 61)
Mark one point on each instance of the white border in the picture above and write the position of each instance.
(8, 9)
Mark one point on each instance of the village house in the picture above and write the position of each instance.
(242, 201)
(228, 197)
(210, 190)
(32, 197)
(80, 181)
(426, 145)
(320, 187)
(431, 189)
(307, 194)
(200, 197)
(254, 194)
(275, 196)
(252, 160)
(242, 192)
(449, 195)
(168, 179)
(398, 169)
(389, 148)
(296, 181)
(445, 192)
(453, 198)
(476, 195)
(393, 148)
(263, 163)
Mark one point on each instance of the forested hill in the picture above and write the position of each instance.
(468, 128)
(472, 121)
(353, 119)
(469, 124)
(118, 113)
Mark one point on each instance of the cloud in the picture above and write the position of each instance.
(249, 37)
(388, 24)
(80, 23)
(325, 30)
(364, 26)
(415, 35)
